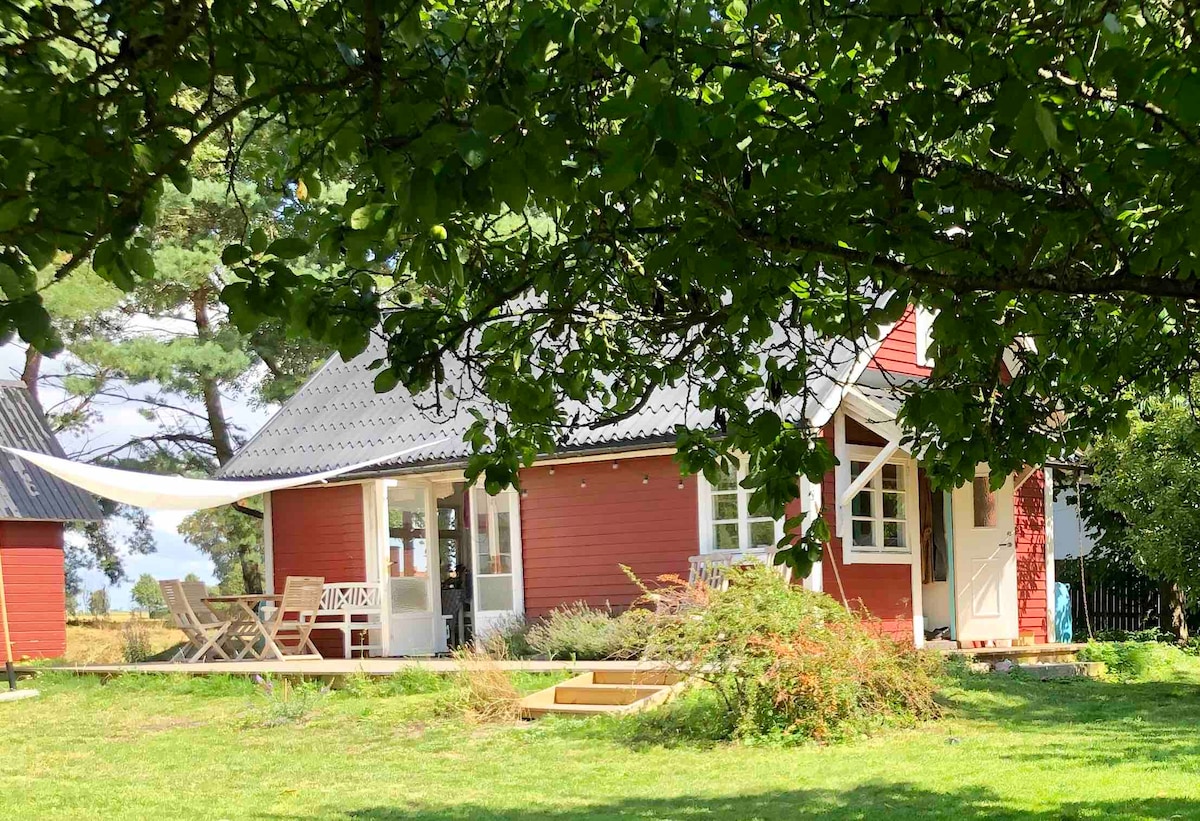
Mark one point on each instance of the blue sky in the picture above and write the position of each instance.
(119, 421)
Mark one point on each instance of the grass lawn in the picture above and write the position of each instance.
(148, 747)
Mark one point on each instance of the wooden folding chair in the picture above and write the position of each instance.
(204, 633)
(286, 632)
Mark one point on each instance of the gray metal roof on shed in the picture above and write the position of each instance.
(26, 491)
(337, 419)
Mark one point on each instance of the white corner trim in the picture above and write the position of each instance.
(1048, 515)
(923, 319)
(841, 478)
(810, 492)
(268, 547)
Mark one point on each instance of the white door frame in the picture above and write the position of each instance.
(378, 560)
(480, 618)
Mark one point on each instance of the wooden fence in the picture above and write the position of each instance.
(1125, 602)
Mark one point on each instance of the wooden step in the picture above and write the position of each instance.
(608, 692)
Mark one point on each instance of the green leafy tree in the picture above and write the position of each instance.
(599, 199)
(98, 603)
(1143, 501)
(147, 595)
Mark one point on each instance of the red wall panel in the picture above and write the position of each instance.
(898, 351)
(1030, 520)
(319, 531)
(33, 584)
(574, 537)
(883, 590)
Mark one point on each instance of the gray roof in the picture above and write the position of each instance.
(26, 491)
(337, 419)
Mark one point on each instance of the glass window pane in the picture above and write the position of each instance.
(893, 505)
(893, 477)
(862, 533)
(447, 518)
(726, 537)
(496, 593)
(861, 505)
(759, 511)
(407, 552)
(893, 534)
(409, 594)
(762, 534)
(856, 469)
(984, 502)
(726, 481)
(724, 506)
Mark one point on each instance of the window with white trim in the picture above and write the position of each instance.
(879, 512)
(731, 522)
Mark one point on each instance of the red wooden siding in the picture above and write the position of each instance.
(883, 590)
(319, 532)
(32, 553)
(574, 538)
(898, 351)
(1030, 520)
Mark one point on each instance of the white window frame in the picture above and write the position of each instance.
(708, 523)
(877, 553)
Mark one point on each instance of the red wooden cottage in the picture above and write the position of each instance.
(975, 565)
(34, 509)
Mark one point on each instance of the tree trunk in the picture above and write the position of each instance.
(218, 425)
(32, 370)
(1173, 617)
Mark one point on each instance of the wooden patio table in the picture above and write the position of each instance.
(246, 626)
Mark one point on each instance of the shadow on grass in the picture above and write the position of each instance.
(869, 801)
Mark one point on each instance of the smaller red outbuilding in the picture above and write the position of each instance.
(34, 509)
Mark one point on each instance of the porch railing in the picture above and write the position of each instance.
(355, 609)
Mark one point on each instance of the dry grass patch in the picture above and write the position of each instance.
(98, 641)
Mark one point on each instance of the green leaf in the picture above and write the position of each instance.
(233, 254)
(289, 247)
(494, 119)
(362, 217)
(473, 148)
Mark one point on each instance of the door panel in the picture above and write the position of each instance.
(985, 561)
(496, 541)
(411, 575)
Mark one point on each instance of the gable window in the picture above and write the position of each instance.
(881, 513)
(729, 522)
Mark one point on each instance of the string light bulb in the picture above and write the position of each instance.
(646, 479)
(680, 484)
(583, 482)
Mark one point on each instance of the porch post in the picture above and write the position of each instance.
(1048, 514)
(948, 519)
(268, 547)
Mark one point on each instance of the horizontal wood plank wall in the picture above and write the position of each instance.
(1030, 520)
(574, 538)
(883, 590)
(319, 532)
(898, 351)
(33, 587)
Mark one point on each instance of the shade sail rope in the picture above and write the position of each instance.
(158, 492)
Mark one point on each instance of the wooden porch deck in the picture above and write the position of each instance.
(333, 668)
(337, 668)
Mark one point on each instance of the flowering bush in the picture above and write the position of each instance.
(577, 631)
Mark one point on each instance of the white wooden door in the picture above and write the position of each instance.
(412, 583)
(498, 593)
(985, 561)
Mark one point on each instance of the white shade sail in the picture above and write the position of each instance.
(159, 492)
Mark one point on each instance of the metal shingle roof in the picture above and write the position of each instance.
(338, 419)
(26, 491)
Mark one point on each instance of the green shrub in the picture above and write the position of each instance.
(508, 639)
(789, 664)
(577, 631)
(135, 642)
(283, 701)
(1133, 660)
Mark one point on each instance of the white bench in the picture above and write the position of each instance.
(713, 568)
(351, 608)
